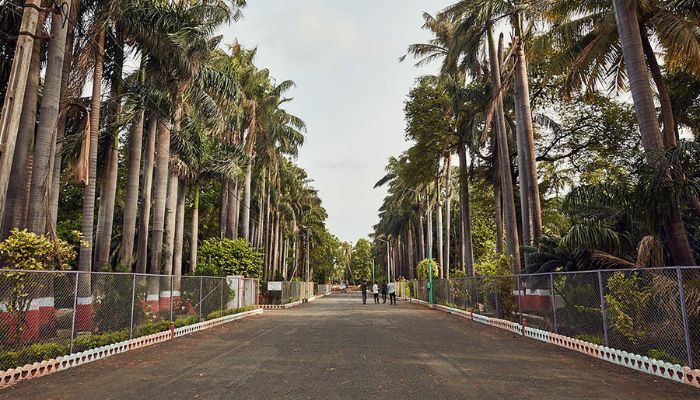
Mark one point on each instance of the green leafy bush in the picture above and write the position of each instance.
(422, 269)
(626, 302)
(219, 314)
(663, 356)
(82, 343)
(222, 257)
(590, 338)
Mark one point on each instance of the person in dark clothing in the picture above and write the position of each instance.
(363, 288)
(384, 292)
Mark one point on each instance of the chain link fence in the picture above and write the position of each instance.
(290, 292)
(653, 312)
(46, 314)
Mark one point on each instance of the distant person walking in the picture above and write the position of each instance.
(392, 293)
(383, 292)
(363, 288)
(375, 292)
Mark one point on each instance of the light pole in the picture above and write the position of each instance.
(373, 280)
(388, 276)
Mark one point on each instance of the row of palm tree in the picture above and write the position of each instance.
(583, 47)
(194, 120)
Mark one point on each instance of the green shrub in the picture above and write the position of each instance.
(9, 359)
(590, 338)
(40, 352)
(663, 356)
(219, 313)
(82, 343)
(152, 327)
(422, 269)
(222, 257)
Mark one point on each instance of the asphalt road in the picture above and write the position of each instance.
(338, 348)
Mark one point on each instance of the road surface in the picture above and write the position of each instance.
(337, 348)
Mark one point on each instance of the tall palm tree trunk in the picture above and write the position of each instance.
(145, 214)
(411, 261)
(105, 212)
(448, 212)
(11, 111)
(466, 245)
(169, 235)
(16, 196)
(441, 259)
(45, 142)
(84, 312)
(642, 95)
(498, 207)
(223, 207)
(160, 194)
(179, 235)
(61, 127)
(194, 241)
(504, 158)
(421, 234)
(669, 131)
(245, 207)
(526, 134)
(108, 189)
(131, 193)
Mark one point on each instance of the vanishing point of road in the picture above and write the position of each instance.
(337, 348)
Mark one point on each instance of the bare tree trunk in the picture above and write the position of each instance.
(223, 222)
(195, 230)
(87, 224)
(504, 158)
(441, 259)
(105, 213)
(14, 97)
(421, 234)
(232, 228)
(669, 131)
(170, 221)
(411, 262)
(245, 207)
(45, 142)
(179, 235)
(145, 215)
(131, 194)
(498, 206)
(61, 126)
(448, 212)
(160, 192)
(261, 213)
(15, 215)
(466, 247)
(526, 136)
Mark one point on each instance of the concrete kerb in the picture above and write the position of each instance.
(645, 364)
(39, 369)
(292, 304)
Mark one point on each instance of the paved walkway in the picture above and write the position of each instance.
(337, 348)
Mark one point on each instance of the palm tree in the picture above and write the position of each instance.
(633, 53)
(45, 142)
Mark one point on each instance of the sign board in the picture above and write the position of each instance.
(274, 286)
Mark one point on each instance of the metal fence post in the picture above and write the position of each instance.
(200, 296)
(553, 301)
(75, 311)
(495, 298)
(602, 308)
(172, 283)
(222, 294)
(684, 315)
(133, 301)
(520, 305)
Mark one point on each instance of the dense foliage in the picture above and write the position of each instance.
(222, 257)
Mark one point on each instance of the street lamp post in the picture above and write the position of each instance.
(388, 275)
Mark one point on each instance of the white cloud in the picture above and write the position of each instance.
(321, 29)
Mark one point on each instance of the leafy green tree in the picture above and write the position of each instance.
(222, 257)
(361, 262)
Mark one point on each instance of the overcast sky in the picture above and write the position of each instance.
(343, 56)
